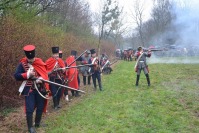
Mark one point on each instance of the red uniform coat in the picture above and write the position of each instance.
(40, 68)
(50, 63)
(72, 73)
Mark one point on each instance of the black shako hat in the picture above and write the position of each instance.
(92, 51)
(55, 50)
(29, 51)
(73, 52)
(60, 54)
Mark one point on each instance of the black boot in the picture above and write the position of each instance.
(58, 101)
(77, 94)
(38, 120)
(31, 129)
(55, 103)
(73, 93)
(84, 80)
(89, 80)
(100, 86)
(148, 80)
(137, 80)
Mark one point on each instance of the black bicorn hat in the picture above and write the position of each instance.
(55, 50)
(139, 48)
(92, 51)
(73, 52)
(29, 51)
(60, 54)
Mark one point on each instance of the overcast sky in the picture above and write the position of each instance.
(128, 8)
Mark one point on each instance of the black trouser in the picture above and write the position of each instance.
(84, 79)
(56, 92)
(31, 101)
(96, 75)
(147, 77)
(78, 79)
(65, 91)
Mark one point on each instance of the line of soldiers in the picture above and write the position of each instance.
(33, 72)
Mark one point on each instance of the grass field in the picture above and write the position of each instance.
(170, 104)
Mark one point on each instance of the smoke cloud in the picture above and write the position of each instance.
(184, 35)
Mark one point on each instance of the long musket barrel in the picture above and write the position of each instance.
(156, 49)
(76, 58)
(74, 67)
(113, 62)
(50, 82)
(110, 63)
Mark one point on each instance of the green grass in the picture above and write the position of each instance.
(169, 105)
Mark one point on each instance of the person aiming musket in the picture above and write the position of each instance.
(141, 64)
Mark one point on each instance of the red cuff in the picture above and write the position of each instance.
(24, 75)
(149, 54)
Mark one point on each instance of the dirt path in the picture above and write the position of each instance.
(15, 122)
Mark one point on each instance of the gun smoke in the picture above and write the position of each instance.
(182, 37)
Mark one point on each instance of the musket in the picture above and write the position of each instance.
(109, 62)
(154, 50)
(77, 58)
(64, 86)
(113, 62)
(74, 67)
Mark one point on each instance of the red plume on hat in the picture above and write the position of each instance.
(29, 51)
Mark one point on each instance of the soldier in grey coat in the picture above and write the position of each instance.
(141, 64)
(85, 70)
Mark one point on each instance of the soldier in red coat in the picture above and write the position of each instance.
(142, 65)
(52, 64)
(72, 73)
(65, 90)
(35, 91)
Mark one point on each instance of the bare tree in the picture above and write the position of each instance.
(118, 31)
(137, 16)
(161, 14)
